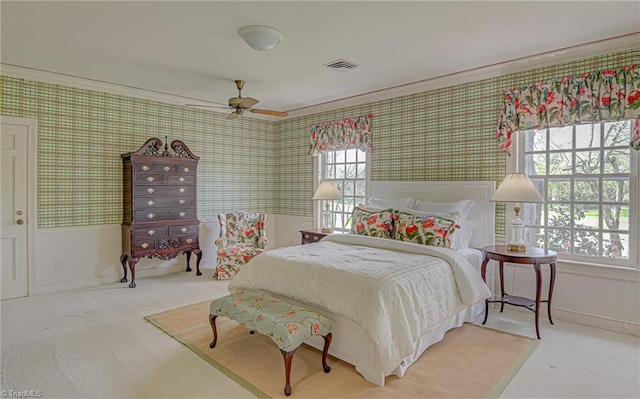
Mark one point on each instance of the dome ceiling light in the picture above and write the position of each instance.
(260, 37)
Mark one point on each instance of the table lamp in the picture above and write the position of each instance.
(517, 187)
(327, 191)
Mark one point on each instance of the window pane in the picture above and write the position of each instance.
(615, 190)
(559, 190)
(330, 156)
(616, 160)
(617, 133)
(586, 190)
(535, 164)
(561, 138)
(340, 172)
(351, 155)
(340, 156)
(559, 240)
(560, 163)
(616, 217)
(350, 171)
(587, 216)
(586, 242)
(616, 245)
(331, 172)
(533, 214)
(588, 162)
(588, 136)
(535, 140)
(348, 189)
(560, 215)
(361, 188)
(362, 171)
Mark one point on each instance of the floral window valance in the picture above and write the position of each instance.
(608, 95)
(341, 135)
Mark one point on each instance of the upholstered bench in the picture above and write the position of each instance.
(286, 324)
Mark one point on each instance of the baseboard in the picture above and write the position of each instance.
(111, 279)
(591, 320)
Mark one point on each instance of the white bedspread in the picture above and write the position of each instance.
(387, 287)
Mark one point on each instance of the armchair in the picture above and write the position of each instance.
(242, 236)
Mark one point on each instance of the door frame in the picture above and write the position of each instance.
(32, 187)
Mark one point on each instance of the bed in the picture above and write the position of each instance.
(388, 300)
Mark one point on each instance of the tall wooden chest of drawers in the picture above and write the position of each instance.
(160, 215)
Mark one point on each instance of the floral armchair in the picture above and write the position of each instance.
(242, 236)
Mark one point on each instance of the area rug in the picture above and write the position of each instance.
(470, 362)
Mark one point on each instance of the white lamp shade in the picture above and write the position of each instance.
(327, 190)
(260, 37)
(517, 187)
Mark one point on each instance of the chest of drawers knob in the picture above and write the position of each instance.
(150, 179)
(151, 202)
(184, 229)
(145, 168)
(151, 215)
(151, 232)
(150, 190)
(167, 168)
(181, 201)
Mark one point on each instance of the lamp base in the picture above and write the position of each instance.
(327, 230)
(516, 248)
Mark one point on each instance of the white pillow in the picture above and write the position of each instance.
(463, 206)
(397, 203)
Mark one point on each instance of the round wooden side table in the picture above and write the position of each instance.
(534, 257)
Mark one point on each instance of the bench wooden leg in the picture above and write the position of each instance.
(327, 342)
(212, 321)
(288, 357)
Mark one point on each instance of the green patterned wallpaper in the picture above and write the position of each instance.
(442, 134)
(81, 134)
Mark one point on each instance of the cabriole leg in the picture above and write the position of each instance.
(288, 358)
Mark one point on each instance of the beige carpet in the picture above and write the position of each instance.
(471, 361)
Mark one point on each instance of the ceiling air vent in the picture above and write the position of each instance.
(341, 65)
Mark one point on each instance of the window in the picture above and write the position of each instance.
(588, 176)
(348, 170)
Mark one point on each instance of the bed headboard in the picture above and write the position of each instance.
(482, 213)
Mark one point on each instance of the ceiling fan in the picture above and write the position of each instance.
(240, 104)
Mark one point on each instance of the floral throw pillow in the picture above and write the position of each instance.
(373, 222)
(435, 230)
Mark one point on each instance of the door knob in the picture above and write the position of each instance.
(19, 221)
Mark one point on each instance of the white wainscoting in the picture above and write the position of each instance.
(78, 257)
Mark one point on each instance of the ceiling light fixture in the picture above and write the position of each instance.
(260, 37)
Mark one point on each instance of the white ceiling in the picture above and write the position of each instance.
(192, 49)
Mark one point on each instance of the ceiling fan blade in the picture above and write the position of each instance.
(248, 102)
(206, 106)
(269, 112)
(233, 115)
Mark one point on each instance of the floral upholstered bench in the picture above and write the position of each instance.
(286, 324)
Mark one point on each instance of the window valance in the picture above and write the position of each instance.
(608, 95)
(341, 135)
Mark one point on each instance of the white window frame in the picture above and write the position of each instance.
(516, 163)
(340, 210)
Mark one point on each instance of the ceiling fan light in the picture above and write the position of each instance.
(260, 37)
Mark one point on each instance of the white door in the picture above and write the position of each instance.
(14, 215)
